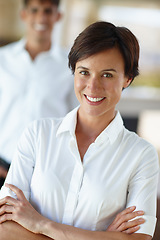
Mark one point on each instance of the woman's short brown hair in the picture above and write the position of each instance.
(101, 36)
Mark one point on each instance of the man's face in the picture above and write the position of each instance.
(40, 18)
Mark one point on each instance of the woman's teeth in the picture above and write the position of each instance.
(94, 99)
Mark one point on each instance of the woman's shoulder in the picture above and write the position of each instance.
(137, 143)
(51, 126)
(45, 124)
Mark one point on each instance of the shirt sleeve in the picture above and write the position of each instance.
(158, 191)
(22, 166)
(142, 191)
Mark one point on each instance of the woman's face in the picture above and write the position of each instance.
(99, 80)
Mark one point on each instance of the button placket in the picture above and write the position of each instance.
(75, 185)
(73, 194)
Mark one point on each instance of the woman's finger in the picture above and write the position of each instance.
(123, 213)
(17, 191)
(8, 200)
(123, 218)
(122, 221)
(6, 209)
(130, 224)
(6, 213)
(132, 230)
(127, 210)
(130, 216)
(6, 217)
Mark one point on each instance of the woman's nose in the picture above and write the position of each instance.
(94, 83)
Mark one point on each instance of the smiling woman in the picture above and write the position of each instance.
(98, 88)
(92, 172)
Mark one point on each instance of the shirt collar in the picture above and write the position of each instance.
(69, 123)
(113, 129)
(111, 132)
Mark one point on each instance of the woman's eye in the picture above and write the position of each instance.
(84, 73)
(107, 75)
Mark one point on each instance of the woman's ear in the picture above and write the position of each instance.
(127, 82)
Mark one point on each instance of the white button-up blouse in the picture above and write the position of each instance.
(119, 170)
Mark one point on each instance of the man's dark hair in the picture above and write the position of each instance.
(54, 2)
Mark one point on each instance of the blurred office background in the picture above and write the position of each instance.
(140, 103)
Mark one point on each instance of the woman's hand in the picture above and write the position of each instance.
(123, 221)
(20, 211)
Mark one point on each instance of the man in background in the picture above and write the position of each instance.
(35, 80)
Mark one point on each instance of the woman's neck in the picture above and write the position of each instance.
(92, 126)
(87, 130)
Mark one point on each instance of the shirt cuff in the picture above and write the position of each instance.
(148, 227)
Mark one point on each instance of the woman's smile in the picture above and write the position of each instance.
(94, 99)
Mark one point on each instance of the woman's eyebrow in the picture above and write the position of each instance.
(109, 69)
(82, 67)
(104, 70)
